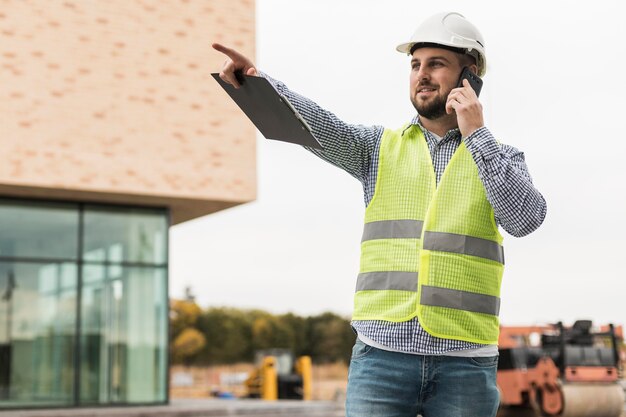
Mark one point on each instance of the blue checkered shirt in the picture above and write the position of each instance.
(519, 208)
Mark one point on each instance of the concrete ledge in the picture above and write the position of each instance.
(198, 408)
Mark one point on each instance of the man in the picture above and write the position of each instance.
(427, 295)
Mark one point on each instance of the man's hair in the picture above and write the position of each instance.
(464, 58)
(435, 45)
(467, 60)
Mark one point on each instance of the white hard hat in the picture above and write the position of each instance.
(453, 30)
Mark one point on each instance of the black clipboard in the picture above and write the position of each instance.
(270, 112)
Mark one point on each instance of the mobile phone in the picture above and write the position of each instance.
(475, 81)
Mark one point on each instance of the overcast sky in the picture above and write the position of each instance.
(555, 88)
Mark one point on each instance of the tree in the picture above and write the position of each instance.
(269, 331)
(183, 315)
(298, 326)
(330, 338)
(189, 342)
(228, 333)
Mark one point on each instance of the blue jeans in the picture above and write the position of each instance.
(393, 384)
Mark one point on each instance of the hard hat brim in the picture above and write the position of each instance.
(405, 47)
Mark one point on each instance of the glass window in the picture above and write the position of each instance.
(38, 230)
(122, 328)
(125, 235)
(123, 338)
(37, 333)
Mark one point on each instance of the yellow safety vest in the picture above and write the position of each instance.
(430, 251)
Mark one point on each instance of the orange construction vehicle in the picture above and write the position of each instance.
(555, 370)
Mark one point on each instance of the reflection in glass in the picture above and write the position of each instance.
(123, 338)
(38, 230)
(125, 235)
(37, 329)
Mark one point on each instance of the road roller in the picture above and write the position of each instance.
(554, 370)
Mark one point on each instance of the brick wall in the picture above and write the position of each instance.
(112, 101)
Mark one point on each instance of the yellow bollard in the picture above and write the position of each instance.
(269, 378)
(305, 369)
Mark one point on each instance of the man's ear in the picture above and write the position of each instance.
(473, 68)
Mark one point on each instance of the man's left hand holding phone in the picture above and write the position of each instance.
(463, 100)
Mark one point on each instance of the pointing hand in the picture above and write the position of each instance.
(235, 62)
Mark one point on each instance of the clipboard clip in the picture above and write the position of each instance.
(295, 112)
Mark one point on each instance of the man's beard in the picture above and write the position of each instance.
(432, 110)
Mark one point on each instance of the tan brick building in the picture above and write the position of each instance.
(111, 129)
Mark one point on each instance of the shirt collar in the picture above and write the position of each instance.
(452, 133)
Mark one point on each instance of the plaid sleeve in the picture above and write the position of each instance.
(518, 206)
(349, 147)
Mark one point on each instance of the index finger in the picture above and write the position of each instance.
(463, 91)
(231, 53)
(466, 86)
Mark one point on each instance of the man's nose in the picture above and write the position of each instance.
(423, 75)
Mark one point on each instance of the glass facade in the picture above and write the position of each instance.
(83, 304)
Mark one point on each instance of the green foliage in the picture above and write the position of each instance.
(331, 338)
(270, 331)
(229, 336)
(299, 326)
(233, 335)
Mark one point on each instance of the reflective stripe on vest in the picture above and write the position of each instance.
(392, 280)
(393, 229)
(461, 300)
(467, 245)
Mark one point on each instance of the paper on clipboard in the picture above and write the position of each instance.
(270, 112)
